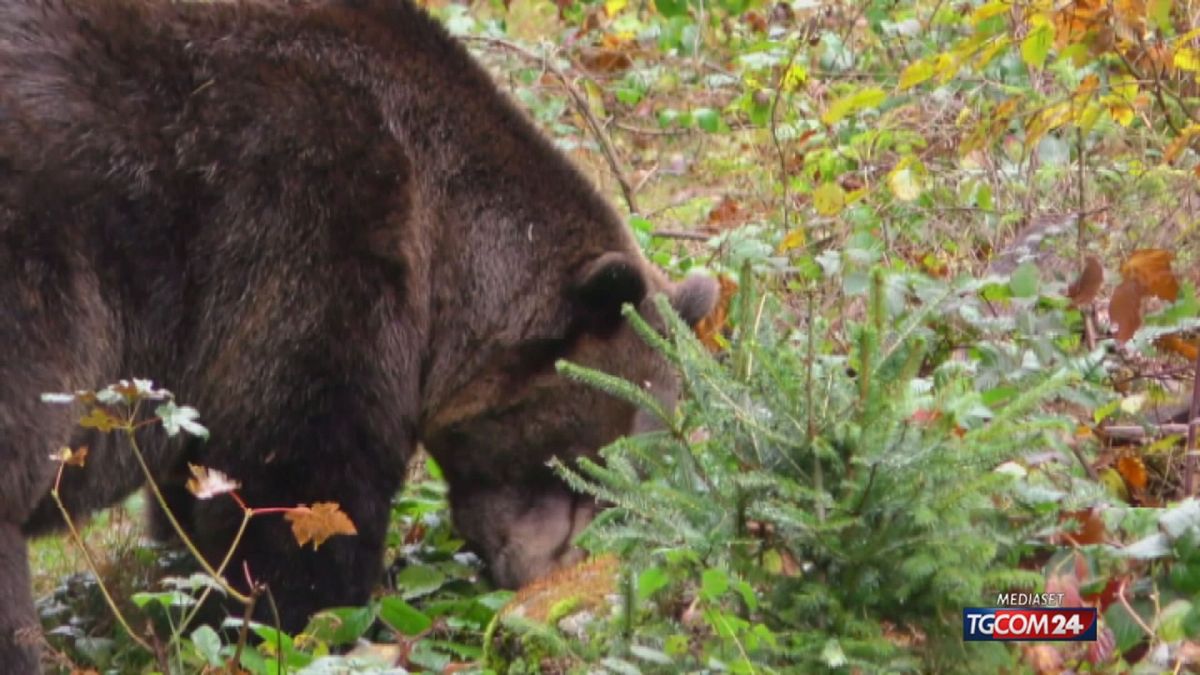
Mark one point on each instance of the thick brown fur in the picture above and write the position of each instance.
(320, 224)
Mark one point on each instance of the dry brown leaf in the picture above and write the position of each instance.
(1133, 470)
(605, 60)
(71, 457)
(710, 327)
(1177, 345)
(1043, 659)
(1151, 267)
(319, 522)
(207, 483)
(726, 213)
(1091, 528)
(586, 585)
(1083, 291)
(1125, 308)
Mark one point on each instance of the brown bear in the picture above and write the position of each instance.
(321, 224)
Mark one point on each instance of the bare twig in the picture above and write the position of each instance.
(1132, 432)
(1189, 463)
(783, 172)
(644, 131)
(244, 630)
(606, 146)
(94, 569)
(675, 234)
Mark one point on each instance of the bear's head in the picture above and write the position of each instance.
(495, 437)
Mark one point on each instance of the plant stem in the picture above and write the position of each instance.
(87, 557)
(247, 514)
(187, 541)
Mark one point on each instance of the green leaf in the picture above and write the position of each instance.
(713, 583)
(650, 581)
(651, 655)
(403, 617)
(415, 581)
(1036, 46)
(340, 625)
(175, 418)
(707, 119)
(862, 99)
(1159, 13)
(1024, 281)
(208, 645)
(670, 8)
(1126, 630)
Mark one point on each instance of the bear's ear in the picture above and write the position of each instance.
(605, 284)
(695, 297)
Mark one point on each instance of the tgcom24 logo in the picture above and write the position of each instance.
(1029, 617)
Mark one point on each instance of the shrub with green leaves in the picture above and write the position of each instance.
(814, 508)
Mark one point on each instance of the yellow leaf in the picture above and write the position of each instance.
(1122, 113)
(851, 103)
(1181, 142)
(916, 73)
(829, 199)
(1187, 59)
(946, 67)
(318, 523)
(1088, 117)
(987, 11)
(795, 76)
(794, 239)
(1125, 86)
(905, 184)
(987, 54)
(102, 421)
(611, 7)
(1188, 36)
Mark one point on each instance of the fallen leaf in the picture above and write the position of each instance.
(207, 483)
(1091, 527)
(1151, 267)
(1083, 291)
(1125, 308)
(1133, 470)
(587, 585)
(725, 213)
(605, 61)
(794, 239)
(1043, 659)
(710, 327)
(319, 522)
(1177, 345)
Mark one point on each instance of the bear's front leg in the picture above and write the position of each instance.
(19, 629)
(301, 580)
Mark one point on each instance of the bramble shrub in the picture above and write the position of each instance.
(808, 509)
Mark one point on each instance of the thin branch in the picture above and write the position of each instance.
(783, 173)
(1189, 463)
(676, 234)
(244, 631)
(91, 565)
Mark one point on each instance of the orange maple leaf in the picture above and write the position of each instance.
(319, 522)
